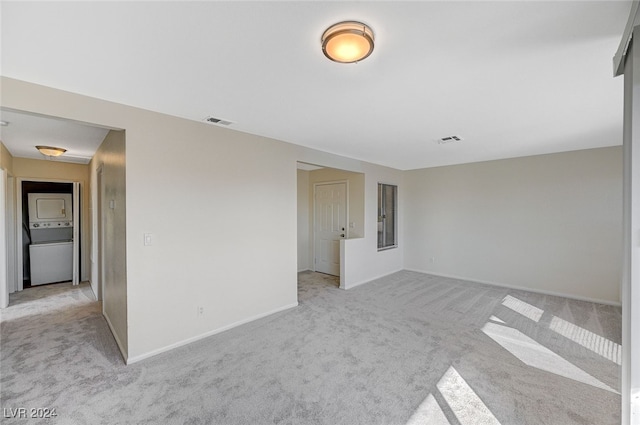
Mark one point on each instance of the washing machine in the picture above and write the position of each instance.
(51, 233)
(51, 262)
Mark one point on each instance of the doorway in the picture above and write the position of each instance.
(48, 255)
(345, 210)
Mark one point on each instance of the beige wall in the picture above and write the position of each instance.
(50, 169)
(6, 160)
(108, 170)
(27, 169)
(549, 223)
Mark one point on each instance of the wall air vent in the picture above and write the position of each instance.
(448, 139)
(219, 121)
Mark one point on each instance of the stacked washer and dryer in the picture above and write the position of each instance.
(51, 231)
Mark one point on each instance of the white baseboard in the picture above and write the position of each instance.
(152, 353)
(115, 336)
(362, 282)
(520, 288)
(304, 270)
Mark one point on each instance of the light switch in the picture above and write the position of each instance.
(148, 239)
(112, 204)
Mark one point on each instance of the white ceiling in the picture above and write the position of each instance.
(512, 78)
(26, 131)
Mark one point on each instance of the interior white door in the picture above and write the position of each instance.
(330, 224)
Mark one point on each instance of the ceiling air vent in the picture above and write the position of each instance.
(448, 139)
(219, 121)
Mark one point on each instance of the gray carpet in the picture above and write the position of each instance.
(406, 349)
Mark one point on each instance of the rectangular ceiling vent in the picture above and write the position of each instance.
(219, 121)
(448, 139)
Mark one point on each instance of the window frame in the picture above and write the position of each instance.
(382, 216)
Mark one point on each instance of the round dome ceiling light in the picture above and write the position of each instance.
(347, 42)
(50, 150)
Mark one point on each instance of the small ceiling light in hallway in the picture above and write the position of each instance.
(50, 150)
(347, 42)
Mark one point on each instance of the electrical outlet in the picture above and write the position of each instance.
(200, 311)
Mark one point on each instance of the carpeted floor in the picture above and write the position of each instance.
(406, 349)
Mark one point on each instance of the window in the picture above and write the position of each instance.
(387, 213)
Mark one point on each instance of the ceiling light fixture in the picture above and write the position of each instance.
(50, 150)
(347, 42)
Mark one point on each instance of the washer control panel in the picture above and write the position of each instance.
(51, 225)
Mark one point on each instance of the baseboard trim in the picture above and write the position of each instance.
(520, 288)
(304, 270)
(362, 282)
(115, 336)
(166, 348)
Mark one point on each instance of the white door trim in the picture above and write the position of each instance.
(10, 209)
(76, 233)
(99, 232)
(4, 288)
(313, 222)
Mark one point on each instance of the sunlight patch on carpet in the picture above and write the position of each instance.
(524, 308)
(429, 412)
(462, 400)
(594, 342)
(536, 355)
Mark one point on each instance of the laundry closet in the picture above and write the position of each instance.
(47, 230)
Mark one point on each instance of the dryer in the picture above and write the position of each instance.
(51, 231)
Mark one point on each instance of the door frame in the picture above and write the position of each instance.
(4, 285)
(8, 260)
(313, 222)
(10, 217)
(18, 225)
(99, 255)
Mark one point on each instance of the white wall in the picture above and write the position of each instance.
(549, 223)
(631, 228)
(361, 260)
(221, 206)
